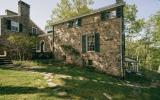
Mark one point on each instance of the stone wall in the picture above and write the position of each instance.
(107, 60)
(48, 43)
(23, 18)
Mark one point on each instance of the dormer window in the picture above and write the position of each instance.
(14, 26)
(34, 30)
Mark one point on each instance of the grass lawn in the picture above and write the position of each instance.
(19, 83)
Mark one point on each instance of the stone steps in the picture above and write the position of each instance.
(5, 60)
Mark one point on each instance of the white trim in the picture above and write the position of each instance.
(87, 35)
(4, 54)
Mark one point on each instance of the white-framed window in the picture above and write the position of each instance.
(34, 30)
(14, 26)
(91, 42)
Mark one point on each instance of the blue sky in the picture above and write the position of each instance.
(41, 9)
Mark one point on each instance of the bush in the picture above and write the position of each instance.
(21, 46)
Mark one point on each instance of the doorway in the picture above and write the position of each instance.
(42, 46)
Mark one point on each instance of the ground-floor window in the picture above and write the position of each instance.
(91, 42)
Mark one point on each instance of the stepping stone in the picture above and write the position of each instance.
(46, 77)
(102, 82)
(49, 80)
(94, 80)
(62, 93)
(107, 96)
(51, 84)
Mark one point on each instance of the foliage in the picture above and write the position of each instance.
(69, 8)
(152, 37)
(21, 46)
(133, 26)
(140, 36)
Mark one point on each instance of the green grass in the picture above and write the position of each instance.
(79, 83)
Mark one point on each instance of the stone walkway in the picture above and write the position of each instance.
(49, 78)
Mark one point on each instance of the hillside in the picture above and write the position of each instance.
(41, 80)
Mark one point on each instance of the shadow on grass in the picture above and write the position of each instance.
(12, 90)
(90, 88)
(17, 90)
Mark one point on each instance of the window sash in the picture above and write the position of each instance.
(112, 14)
(34, 30)
(91, 43)
(108, 15)
(14, 26)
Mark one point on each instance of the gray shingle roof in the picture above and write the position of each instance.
(1, 16)
(92, 12)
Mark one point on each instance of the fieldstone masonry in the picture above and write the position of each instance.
(25, 24)
(108, 59)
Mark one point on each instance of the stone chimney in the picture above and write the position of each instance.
(119, 1)
(23, 9)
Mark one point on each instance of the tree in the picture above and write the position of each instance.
(69, 8)
(133, 25)
(152, 37)
(141, 36)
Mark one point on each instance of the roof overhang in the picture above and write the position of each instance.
(93, 12)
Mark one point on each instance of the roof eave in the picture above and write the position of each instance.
(93, 12)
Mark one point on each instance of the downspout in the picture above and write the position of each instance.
(123, 45)
(53, 50)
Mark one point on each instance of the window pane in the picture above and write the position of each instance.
(14, 26)
(91, 42)
(112, 14)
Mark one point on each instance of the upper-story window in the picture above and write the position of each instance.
(34, 30)
(70, 24)
(111, 14)
(14, 26)
(75, 23)
(78, 22)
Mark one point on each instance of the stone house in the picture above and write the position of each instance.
(95, 39)
(21, 22)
